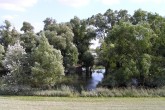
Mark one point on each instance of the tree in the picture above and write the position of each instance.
(83, 34)
(8, 36)
(48, 65)
(61, 37)
(106, 56)
(123, 16)
(13, 61)
(157, 24)
(2, 51)
(156, 76)
(105, 22)
(29, 41)
(139, 16)
(126, 46)
(27, 27)
(49, 23)
(88, 62)
(145, 64)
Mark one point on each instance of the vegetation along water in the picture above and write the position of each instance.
(58, 60)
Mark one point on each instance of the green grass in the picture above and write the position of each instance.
(69, 91)
(79, 103)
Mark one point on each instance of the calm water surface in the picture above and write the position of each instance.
(97, 77)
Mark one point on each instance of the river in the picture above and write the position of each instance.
(97, 77)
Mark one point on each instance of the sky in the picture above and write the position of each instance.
(35, 11)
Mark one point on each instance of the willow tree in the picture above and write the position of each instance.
(14, 62)
(2, 51)
(83, 35)
(29, 38)
(132, 45)
(48, 65)
(61, 37)
(8, 34)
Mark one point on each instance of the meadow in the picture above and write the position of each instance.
(80, 103)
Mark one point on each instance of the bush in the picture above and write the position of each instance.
(14, 89)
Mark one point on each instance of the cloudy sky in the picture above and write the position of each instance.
(35, 11)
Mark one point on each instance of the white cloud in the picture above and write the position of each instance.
(148, 1)
(75, 3)
(16, 5)
(9, 17)
(110, 2)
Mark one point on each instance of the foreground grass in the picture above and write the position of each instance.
(79, 103)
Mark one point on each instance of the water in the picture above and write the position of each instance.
(97, 77)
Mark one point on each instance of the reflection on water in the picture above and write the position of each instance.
(97, 77)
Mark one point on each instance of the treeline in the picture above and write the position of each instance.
(42, 59)
(132, 50)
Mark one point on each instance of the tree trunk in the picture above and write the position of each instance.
(142, 80)
(79, 70)
(91, 71)
(87, 71)
(107, 68)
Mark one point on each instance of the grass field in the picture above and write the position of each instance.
(65, 103)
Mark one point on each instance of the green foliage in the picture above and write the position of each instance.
(129, 47)
(82, 36)
(7, 24)
(71, 56)
(49, 23)
(2, 51)
(132, 50)
(145, 64)
(139, 15)
(88, 62)
(88, 59)
(61, 37)
(29, 41)
(13, 61)
(124, 75)
(48, 64)
(156, 75)
(27, 27)
(8, 36)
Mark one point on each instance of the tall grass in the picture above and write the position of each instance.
(131, 92)
(68, 91)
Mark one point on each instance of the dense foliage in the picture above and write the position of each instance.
(132, 50)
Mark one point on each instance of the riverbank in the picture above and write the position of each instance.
(65, 103)
(66, 91)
